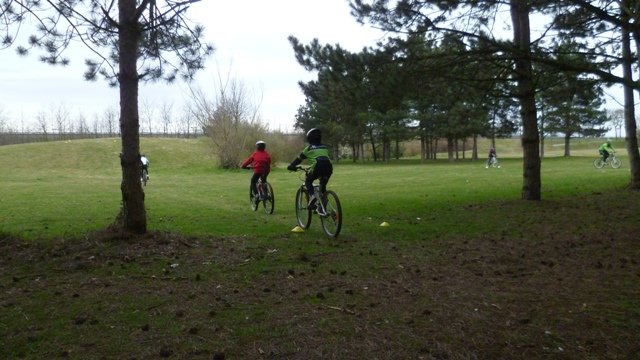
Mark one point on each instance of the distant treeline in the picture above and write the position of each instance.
(10, 138)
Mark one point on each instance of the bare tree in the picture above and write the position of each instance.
(95, 125)
(81, 125)
(148, 114)
(3, 121)
(61, 117)
(110, 121)
(166, 116)
(187, 121)
(617, 121)
(43, 123)
(231, 120)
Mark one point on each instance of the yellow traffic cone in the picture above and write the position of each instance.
(297, 229)
(385, 224)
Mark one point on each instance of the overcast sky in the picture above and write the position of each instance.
(251, 43)
(250, 37)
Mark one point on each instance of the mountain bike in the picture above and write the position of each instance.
(611, 160)
(144, 176)
(265, 194)
(328, 209)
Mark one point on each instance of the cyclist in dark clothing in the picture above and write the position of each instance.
(317, 154)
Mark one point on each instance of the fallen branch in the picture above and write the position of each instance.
(340, 309)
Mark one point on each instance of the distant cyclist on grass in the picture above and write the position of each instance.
(605, 149)
(261, 163)
(492, 157)
(317, 154)
(144, 164)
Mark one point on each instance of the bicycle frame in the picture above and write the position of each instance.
(144, 176)
(260, 187)
(316, 189)
(265, 194)
(612, 160)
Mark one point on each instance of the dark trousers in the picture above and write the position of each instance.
(322, 172)
(254, 181)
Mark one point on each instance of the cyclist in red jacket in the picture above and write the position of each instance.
(260, 160)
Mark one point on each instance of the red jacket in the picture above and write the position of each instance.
(261, 162)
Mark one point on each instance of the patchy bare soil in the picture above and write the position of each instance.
(567, 288)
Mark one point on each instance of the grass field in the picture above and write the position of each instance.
(71, 188)
(466, 270)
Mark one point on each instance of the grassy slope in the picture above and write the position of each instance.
(466, 270)
(70, 188)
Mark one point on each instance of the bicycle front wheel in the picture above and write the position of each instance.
(269, 199)
(303, 214)
(253, 201)
(598, 163)
(332, 221)
(616, 163)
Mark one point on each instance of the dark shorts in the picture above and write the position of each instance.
(323, 168)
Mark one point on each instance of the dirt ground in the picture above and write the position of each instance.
(568, 291)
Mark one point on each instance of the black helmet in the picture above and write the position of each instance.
(261, 145)
(314, 136)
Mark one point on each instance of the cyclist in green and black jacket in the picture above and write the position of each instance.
(605, 149)
(318, 156)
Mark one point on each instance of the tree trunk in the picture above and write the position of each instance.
(450, 149)
(531, 189)
(629, 110)
(423, 148)
(542, 135)
(386, 149)
(373, 146)
(133, 214)
(434, 149)
(567, 143)
(474, 152)
(464, 148)
(355, 147)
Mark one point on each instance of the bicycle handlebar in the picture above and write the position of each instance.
(305, 169)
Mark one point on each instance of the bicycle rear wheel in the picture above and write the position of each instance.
(332, 221)
(269, 199)
(303, 214)
(144, 176)
(615, 163)
(598, 163)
